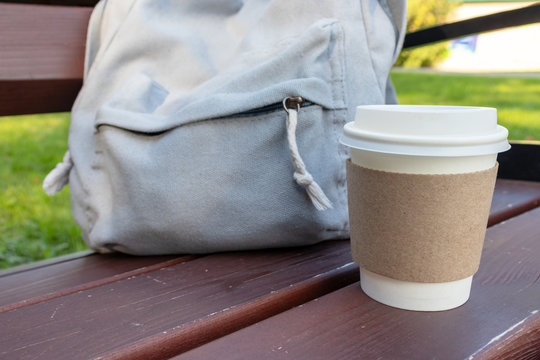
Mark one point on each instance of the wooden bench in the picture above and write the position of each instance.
(299, 303)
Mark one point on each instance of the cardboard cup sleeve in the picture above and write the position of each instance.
(419, 227)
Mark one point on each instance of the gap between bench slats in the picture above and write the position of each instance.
(501, 320)
(37, 96)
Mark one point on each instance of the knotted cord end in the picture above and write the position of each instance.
(58, 177)
(301, 175)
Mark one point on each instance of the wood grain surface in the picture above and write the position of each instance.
(41, 65)
(55, 2)
(177, 307)
(55, 280)
(513, 197)
(501, 320)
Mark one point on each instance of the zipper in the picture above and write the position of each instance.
(58, 177)
(301, 175)
(269, 108)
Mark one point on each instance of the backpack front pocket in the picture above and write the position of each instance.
(224, 184)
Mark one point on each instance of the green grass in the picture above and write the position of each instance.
(34, 226)
(517, 99)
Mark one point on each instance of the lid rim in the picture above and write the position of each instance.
(427, 149)
(500, 134)
(433, 109)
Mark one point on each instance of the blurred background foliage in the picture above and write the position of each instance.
(422, 14)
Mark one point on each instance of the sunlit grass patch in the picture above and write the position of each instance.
(517, 99)
(33, 226)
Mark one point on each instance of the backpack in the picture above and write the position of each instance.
(207, 126)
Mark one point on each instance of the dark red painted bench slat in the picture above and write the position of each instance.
(42, 56)
(56, 280)
(513, 197)
(501, 320)
(178, 307)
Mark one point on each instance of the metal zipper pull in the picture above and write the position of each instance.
(293, 102)
(301, 175)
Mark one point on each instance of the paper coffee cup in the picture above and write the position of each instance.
(406, 159)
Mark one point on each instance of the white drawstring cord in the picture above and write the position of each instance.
(301, 175)
(59, 176)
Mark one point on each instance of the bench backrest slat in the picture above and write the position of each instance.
(42, 49)
(42, 57)
(521, 16)
(56, 2)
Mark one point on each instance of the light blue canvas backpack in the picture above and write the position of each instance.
(213, 125)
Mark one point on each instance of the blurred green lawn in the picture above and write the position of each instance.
(34, 226)
(517, 99)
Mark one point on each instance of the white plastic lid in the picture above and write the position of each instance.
(426, 130)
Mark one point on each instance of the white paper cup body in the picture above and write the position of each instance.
(423, 140)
